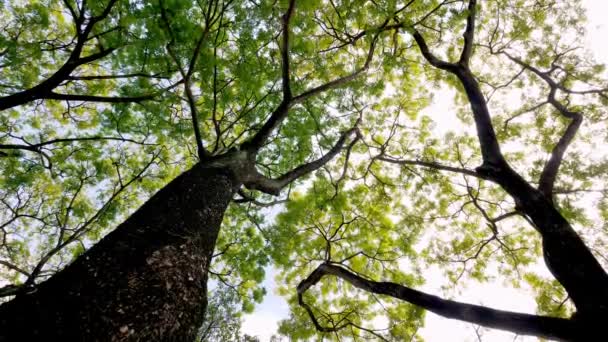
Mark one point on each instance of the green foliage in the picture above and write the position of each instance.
(382, 220)
(223, 318)
(355, 229)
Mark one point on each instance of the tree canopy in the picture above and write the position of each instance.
(359, 186)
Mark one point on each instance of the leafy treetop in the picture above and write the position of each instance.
(105, 102)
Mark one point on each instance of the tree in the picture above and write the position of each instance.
(569, 260)
(217, 106)
(146, 280)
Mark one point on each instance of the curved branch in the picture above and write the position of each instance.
(274, 186)
(520, 323)
(490, 149)
(549, 174)
(430, 57)
(574, 267)
(550, 170)
(342, 80)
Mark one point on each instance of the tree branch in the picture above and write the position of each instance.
(430, 57)
(525, 324)
(14, 267)
(490, 149)
(549, 174)
(574, 267)
(111, 77)
(469, 35)
(431, 165)
(285, 72)
(45, 87)
(280, 113)
(550, 170)
(37, 147)
(274, 186)
(246, 198)
(186, 75)
(93, 98)
(342, 80)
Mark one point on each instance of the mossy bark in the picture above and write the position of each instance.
(145, 281)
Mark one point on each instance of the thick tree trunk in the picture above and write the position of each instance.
(565, 253)
(145, 281)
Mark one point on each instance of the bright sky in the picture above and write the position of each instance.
(263, 322)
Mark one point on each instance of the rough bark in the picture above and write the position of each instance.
(145, 281)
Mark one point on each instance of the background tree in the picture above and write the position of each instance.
(217, 106)
(551, 83)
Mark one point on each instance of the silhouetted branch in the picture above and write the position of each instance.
(550, 170)
(525, 324)
(274, 186)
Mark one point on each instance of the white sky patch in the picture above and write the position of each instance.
(597, 29)
(440, 110)
(263, 322)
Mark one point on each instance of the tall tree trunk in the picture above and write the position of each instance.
(565, 253)
(145, 281)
